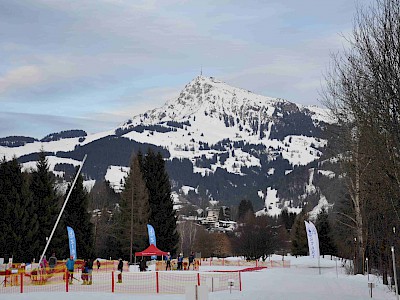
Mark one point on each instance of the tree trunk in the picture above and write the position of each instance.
(359, 240)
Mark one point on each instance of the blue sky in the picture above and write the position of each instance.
(91, 65)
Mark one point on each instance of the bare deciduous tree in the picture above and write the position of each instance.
(363, 94)
(187, 232)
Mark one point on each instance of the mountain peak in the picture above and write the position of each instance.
(206, 100)
(209, 96)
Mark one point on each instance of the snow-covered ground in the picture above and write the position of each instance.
(301, 281)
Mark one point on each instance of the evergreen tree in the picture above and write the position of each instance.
(103, 229)
(102, 195)
(112, 246)
(287, 219)
(19, 223)
(221, 216)
(245, 206)
(102, 202)
(135, 212)
(162, 216)
(77, 217)
(326, 242)
(6, 208)
(299, 236)
(44, 196)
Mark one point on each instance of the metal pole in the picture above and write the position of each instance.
(366, 260)
(62, 210)
(337, 275)
(319, 265)
(355, 254)
(131, 239)
(394, 273)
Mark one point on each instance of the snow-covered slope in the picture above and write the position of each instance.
(208, 111)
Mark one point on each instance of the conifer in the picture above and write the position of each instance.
(42, 187)
(299, 236)
(19, 224)
(135, 212)
(162, 216)
(326, 242)
(77, 216)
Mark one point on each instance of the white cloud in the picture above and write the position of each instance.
(21, 77)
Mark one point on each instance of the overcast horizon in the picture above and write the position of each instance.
(91, 65)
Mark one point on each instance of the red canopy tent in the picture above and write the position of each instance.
(150, 251)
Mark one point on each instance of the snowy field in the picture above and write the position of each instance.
(301, 281)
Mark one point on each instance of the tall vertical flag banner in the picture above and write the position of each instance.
(152, 234)
(313, 241)
(72, 242)
(152, 238)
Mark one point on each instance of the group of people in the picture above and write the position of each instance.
(51, 263)
(87, 270)
(180, 261)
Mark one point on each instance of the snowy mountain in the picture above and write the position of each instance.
(209, 111)
(220, 142)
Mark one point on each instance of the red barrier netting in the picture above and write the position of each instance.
(277, 263)
(135, 282)
(239, 263)
(242, 270)
(221, 281)
(10, 283)
(170, 282)
(176, 282)
(96, 282)
(244, 263)
(55, 282)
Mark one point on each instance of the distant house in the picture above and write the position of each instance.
(212, 221)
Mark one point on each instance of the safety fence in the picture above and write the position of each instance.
(108, 266)
(244, 263)
(105, 266)
(166, 282)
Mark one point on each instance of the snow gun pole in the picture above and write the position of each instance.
(319, 265)
(62, 210)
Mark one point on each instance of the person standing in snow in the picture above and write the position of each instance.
(98, 265)
(52, 262)
(191, 260)
(84, 275)
(120, 268)
(89, 270)
(43, 263)
(142, 265)
(168, 259)
(120, 265)
(180, 261)
(70, 264)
